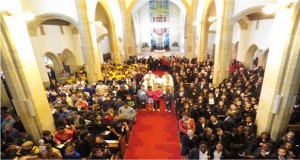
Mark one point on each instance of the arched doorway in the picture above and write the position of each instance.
(104, 48)
(52, 60)
(37, 22)
(104, 16)
(68, 61)
(158, 32)
(252, 21)
(50, 27)
(251, 52)
(208, 31)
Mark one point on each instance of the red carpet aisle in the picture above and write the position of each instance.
(155, 135)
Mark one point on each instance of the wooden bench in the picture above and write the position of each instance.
(112, 143)
(118, 144)
(293, 127)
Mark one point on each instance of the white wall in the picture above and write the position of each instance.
(54, 41)
(145, 26)
(12, 6)
(236, 33)
(261, 35)
(105, 46)
(64, 7)
(100, 31)
(115, 8)
(210, 43)
(258, 34)
(242, 5)
(91, 5)
(175, 24)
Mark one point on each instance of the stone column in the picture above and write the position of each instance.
(242, 50)
(128, 34)
(40, 60)
(203, 38)
(78, 51)
(114, 46)
(89, 42)
(23, 77)
(281, 80)
(190, 33)
(223, 42)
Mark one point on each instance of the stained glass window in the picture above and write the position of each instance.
(159, 10)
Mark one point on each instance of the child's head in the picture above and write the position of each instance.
(281, 152)
(46, 133)
(128, 97)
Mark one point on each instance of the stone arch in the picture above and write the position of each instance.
(57, 65)
(205, 24)
(68, 60)
(249, 55)
(100, 50)
(101, 37)
(241, 18)
(110, 26)
(237, 18)
(138, 3)
(34, 24)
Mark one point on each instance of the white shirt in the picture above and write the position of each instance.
(217, 155)
(211, 101)
(151, 76)
(157, 80)
(146, 84)
(203, 156)
(100, 89)
(164, 77)
(169, 82)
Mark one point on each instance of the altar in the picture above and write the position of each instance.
(160, 53)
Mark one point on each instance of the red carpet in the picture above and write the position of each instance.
(154, 136)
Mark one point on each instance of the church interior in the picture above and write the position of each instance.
(43, 42)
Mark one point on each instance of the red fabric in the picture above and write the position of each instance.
(183, 127)
(108, 119)
(150, 94)
(157, 94)
(82, 104)
(154, 136)
(67, 135)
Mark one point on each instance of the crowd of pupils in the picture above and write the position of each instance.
(215, 122)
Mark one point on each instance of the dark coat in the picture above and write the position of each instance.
(257, 154)
(229, 123)
(187, 144)
(132, 90)
(194, 154)
(199, 128)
